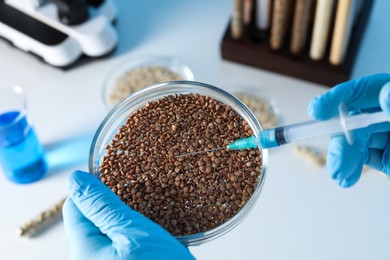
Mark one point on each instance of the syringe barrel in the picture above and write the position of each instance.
(364, 120)
(311, 129)
(267, 138)
(308, 130)
(298, 132)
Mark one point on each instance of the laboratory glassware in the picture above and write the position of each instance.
(22, 156)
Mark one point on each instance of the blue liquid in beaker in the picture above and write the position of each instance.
(21, 154)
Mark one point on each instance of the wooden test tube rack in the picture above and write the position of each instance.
(253, 49)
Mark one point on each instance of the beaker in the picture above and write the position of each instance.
(22, 157)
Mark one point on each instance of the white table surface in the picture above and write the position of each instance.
(301, 213)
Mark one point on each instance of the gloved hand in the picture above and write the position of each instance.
(371, 145)
(100, 226)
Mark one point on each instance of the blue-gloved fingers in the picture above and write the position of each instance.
(356, 94)
(98, 203)
(82, 234)
(386, 160)
(131, 233)
(344, 162)
(379, 153)
(349, 182)
(74, 218)
(384, 99)
(379, 141)
(374, 159)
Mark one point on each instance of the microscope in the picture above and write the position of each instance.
(60, 31)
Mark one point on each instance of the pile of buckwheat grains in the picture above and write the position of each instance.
(189, 194)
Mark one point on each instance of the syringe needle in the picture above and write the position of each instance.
(198, 152)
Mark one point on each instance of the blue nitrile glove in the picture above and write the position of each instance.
(371, 145)
(100, 226)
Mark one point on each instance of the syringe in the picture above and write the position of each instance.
(304, 131)
(311, 129)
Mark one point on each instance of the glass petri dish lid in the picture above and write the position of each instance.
(138, 72)
(119, 114)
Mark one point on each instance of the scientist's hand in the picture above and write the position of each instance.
(371, 145)
(100, 226)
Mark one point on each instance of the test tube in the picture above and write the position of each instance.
(280, 22)
(22, 156)
(300, 25)
(247, 13)
(237, 25)
(342, 31)
(322, 21)
(263, 14)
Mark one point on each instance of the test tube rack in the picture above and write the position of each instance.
(253, 49)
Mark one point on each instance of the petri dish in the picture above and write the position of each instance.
(138, 72)
(119, 114)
